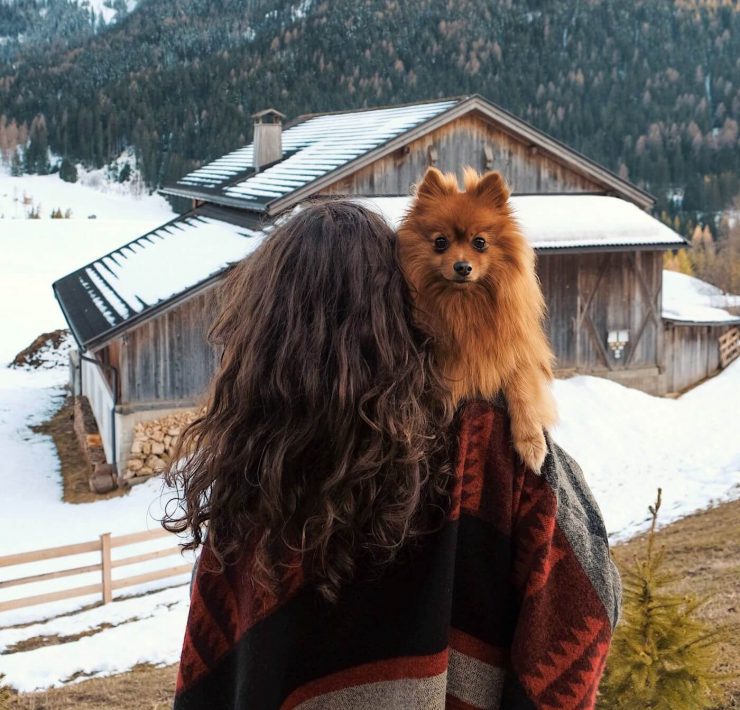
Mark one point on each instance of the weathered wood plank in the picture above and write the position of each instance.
(49, 553)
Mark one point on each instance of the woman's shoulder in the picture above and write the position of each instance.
(510, 492)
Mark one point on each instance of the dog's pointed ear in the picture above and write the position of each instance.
(492, 186)
(434, 184)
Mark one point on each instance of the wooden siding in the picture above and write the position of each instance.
(588, 295)
(167, 358)
(469, 140)
(691, 354)
(559, 278)
(110, 355)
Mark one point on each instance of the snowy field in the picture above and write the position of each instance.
(36, 252)
(93, 195)
(145, 628)
(628, 444)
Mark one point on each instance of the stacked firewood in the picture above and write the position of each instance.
(154, 445)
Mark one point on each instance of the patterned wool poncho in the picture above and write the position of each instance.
(510, 605)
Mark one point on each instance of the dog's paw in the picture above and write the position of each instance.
(532, 449)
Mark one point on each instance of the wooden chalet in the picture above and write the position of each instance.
(140, 314)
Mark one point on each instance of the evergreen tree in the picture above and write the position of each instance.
(125, 174)
(68, 171)
(16, 165)
(663, 656)
(37, 154)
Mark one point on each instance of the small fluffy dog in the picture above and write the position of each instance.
(475, 290)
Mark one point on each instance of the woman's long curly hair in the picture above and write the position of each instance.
(323, 439)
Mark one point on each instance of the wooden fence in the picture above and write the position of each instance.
(107, 584)
(729, 346)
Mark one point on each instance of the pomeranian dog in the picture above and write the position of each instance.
(472, 276)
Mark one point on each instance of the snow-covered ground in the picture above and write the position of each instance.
(36, 252)
(629, 444)
(145, 628)
(94, 194)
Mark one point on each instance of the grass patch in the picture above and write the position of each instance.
(145, 687)
(56, 639)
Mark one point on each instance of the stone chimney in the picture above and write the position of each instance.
(268, 137)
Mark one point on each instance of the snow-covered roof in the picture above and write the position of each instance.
(128, 283)
(312, 148)
(689, 300)
(320, 149)
(132, 282)
(568, 222)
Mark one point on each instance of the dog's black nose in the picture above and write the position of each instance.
(462, 268)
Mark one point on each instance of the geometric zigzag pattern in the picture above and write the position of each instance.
(493, 611)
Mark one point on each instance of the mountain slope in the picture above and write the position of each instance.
(649, 89)
(56, 23)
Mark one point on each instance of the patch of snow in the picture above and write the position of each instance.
(154, 638)
(118, 612)
(299, 11)
(49, 356)
(32, 490)
(686, 298)
(629, 444)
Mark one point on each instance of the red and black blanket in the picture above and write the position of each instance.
(510, 605)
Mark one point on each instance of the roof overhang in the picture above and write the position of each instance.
(710, 323)
(567, 223)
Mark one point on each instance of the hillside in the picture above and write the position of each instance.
(42, 24)
(649, 89)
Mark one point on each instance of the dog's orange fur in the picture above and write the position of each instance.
(488, 328)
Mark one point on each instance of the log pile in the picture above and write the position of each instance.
(154, 444)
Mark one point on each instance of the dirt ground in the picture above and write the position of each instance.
(703, 549)
(75, 469)
(143, 688)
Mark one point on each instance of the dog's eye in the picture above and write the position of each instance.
(441, 243)
(479, 243)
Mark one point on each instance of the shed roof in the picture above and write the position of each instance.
(691, 301)
(321, 149)
(136, 281)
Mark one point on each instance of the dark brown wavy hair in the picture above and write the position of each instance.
(322, 442)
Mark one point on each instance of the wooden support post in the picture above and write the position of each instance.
(105, 565)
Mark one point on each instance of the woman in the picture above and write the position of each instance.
(366, 547)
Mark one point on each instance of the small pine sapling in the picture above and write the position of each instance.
(663, 656)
